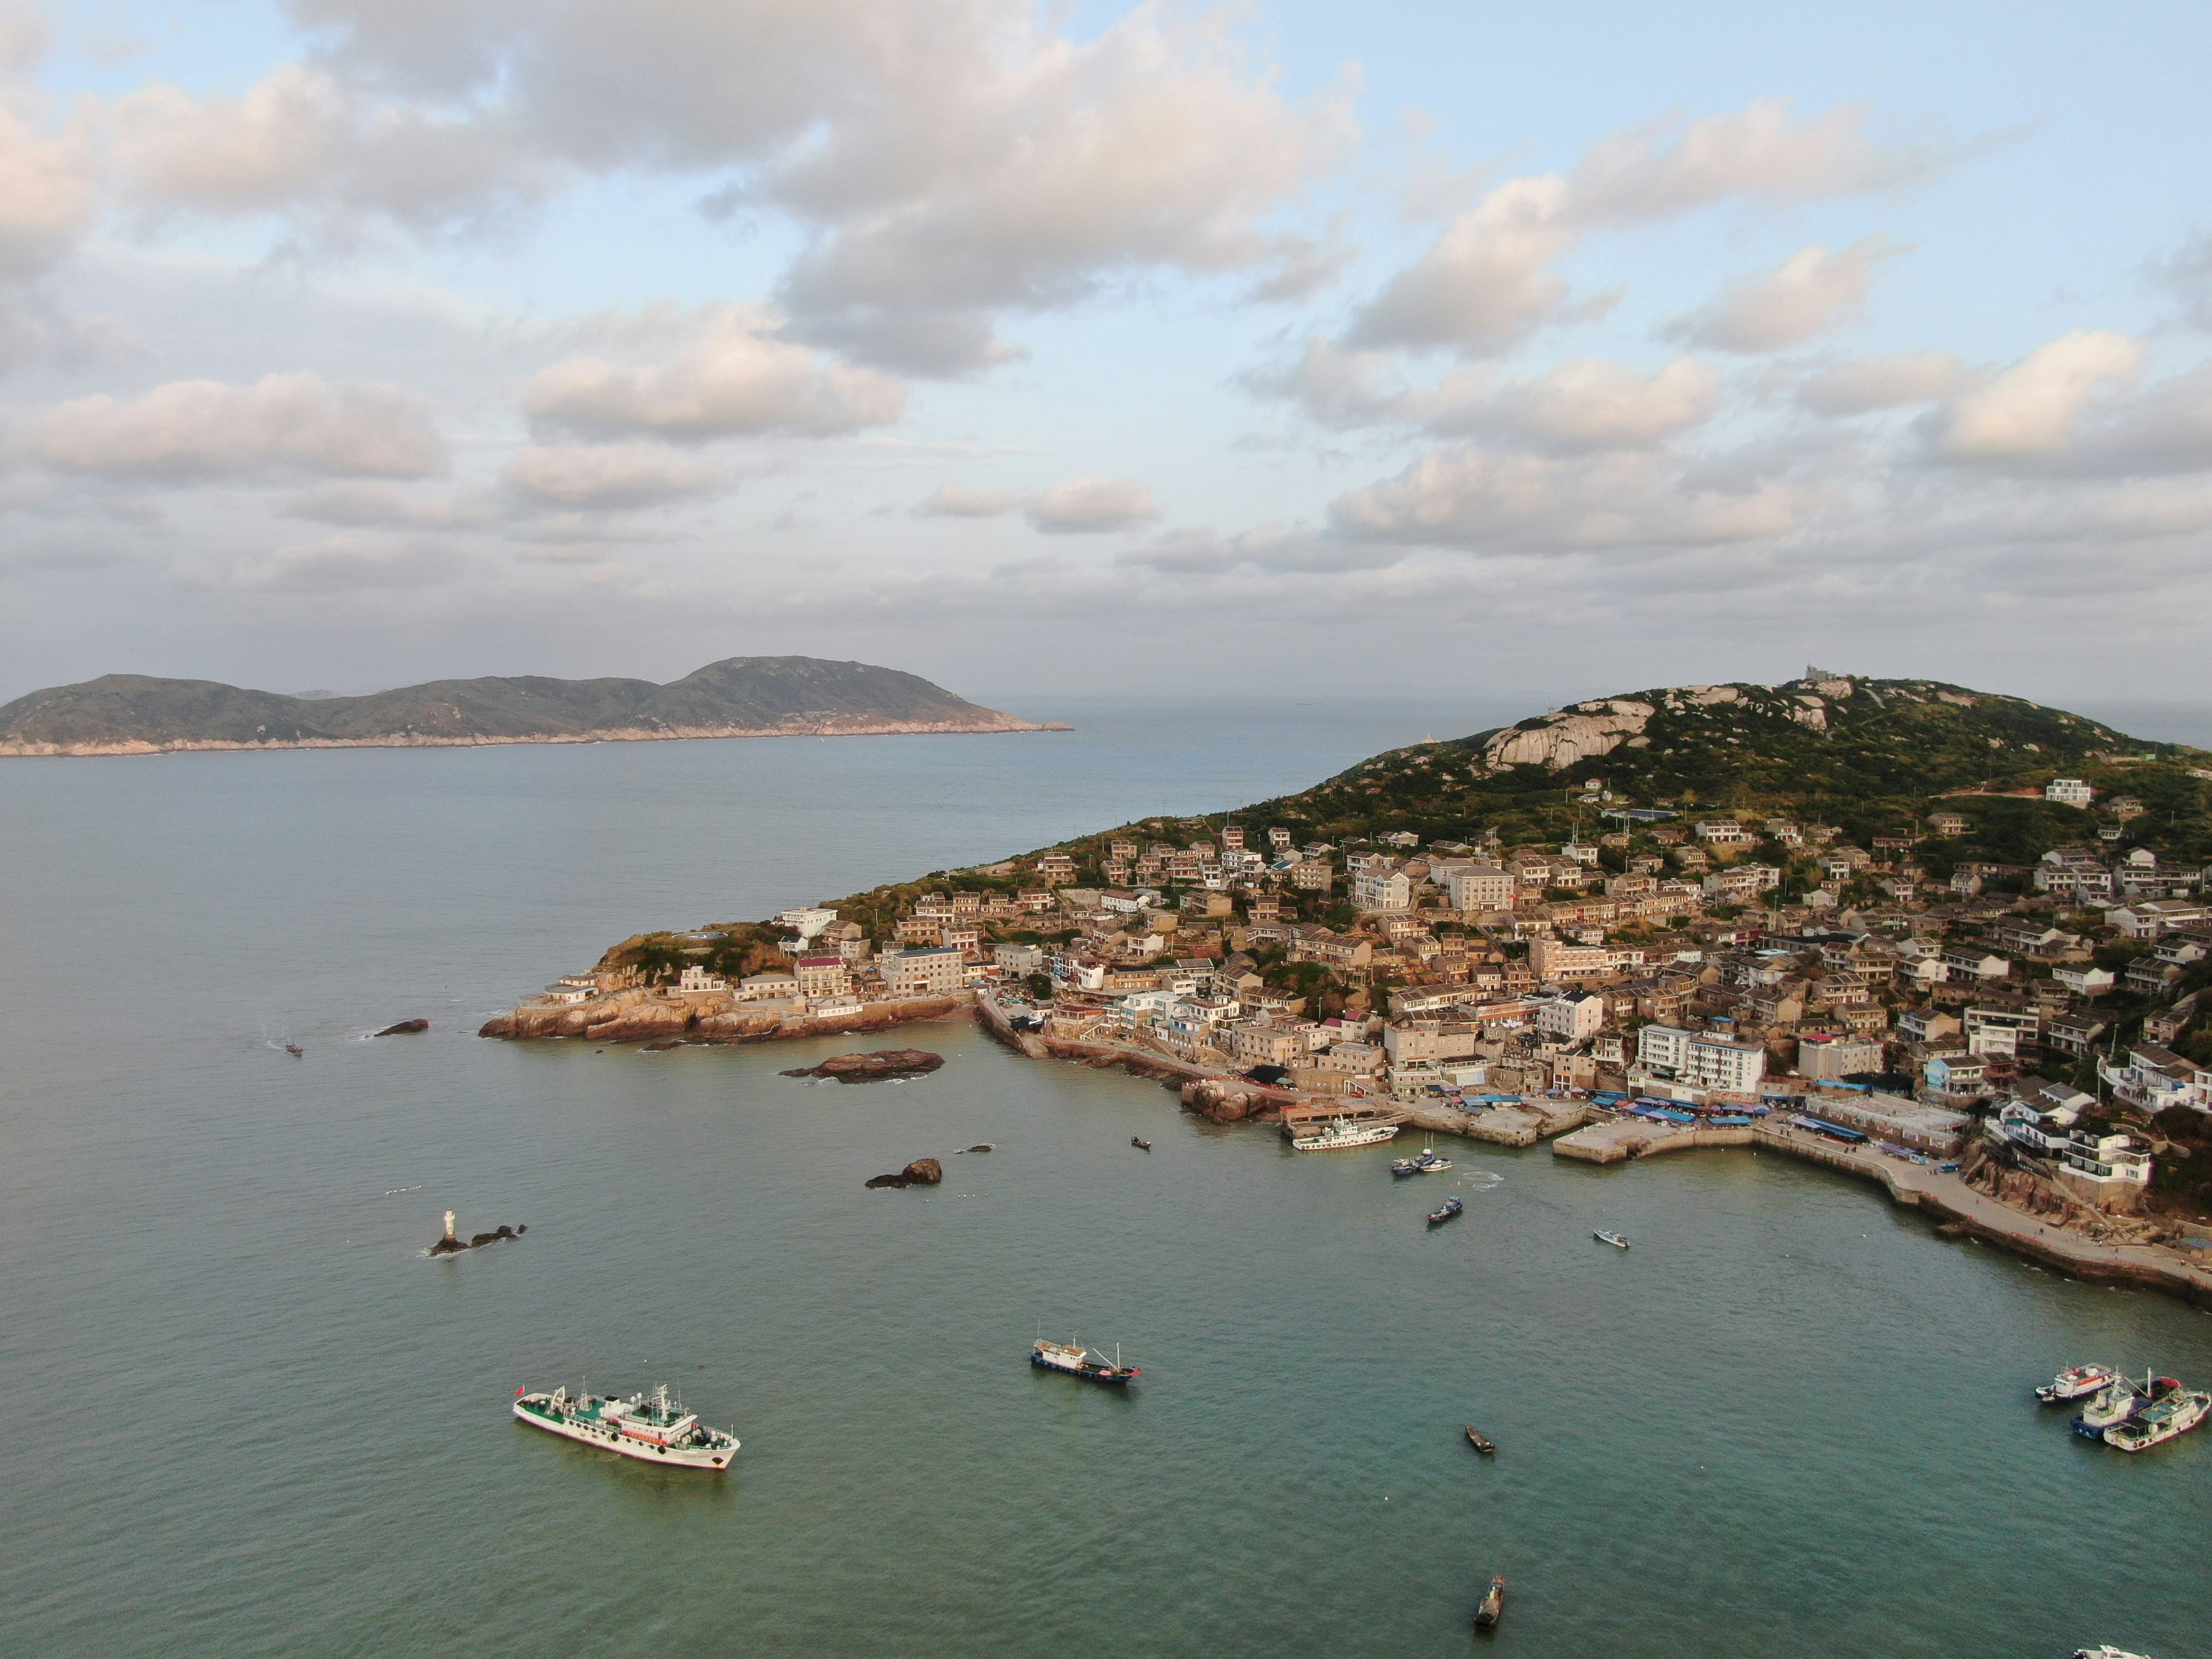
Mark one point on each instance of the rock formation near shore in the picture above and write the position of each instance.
(873, 1068)
(641, 1016)
(405, 1028)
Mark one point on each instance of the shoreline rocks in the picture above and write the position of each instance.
(405, 1028)
(651, 1016)
(873, 1068)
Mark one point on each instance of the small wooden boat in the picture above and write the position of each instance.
(1481, 1442)
(1604, 1236)
(1140, 1143)
(294, 1049)
(1451, 1207)
(1494, 1606)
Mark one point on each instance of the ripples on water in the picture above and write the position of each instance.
(1789, 1421)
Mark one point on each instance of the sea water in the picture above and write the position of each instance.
(247, 1416)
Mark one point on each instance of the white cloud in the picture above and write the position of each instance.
(1468, 497)
(950, 158)
(341, 564)
(735, 376)
(199, 430)
(2033, 407)
(362, 503)
(1808, 293)
(1486, 282)
(1582, 403)
(332, 156)
(47, 195)
(950, 502)
(1859, 384)
(609, 475)
(1590, 404)
(1081, 505)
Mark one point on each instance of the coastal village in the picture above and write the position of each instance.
(1668, 978)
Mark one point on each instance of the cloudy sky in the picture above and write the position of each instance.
(1405, 349)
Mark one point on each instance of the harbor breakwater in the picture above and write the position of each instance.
(1946, 1198)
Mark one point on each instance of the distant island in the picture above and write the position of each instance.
(737, 697)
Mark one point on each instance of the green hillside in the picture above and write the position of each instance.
(1871, 756)
(737, 693)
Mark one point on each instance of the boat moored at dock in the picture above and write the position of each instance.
(654, 1428)
(2081, 1380)
(1079, 1361)
(2121, 1398)
(2153, 1426)
(1342, 1134)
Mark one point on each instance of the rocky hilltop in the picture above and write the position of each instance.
(1838, 746)
(738, 697)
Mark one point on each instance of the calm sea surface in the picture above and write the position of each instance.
(247, 1417)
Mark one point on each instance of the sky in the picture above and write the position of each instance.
(1278, 350)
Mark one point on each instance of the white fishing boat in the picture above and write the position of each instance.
(1341, 1133)
(1607, 1236)
(2074, 1384)
(654, 1428)
(2153, 1426)
(1077, 1360)
(1431, 1162)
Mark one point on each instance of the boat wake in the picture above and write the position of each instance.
(1481, 1181)
(395, 1191)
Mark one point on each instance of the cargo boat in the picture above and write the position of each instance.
(1079, 1361)
(654, 1428)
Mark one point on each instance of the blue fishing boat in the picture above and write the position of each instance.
(1451, 1207)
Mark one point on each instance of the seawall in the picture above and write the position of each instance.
(1946, 1198)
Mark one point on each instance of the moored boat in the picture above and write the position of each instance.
(1079, 1361)
(1482, 1442)
(1445, 1211)
(1606, 1236)
(2121, 1398)
(1493, 1605)
(1404, 1166)
(1341, 1133)
(1140, 1143)
(1429, 1162)
(2074, 1384)
(652, 1428)
(2153, 1426)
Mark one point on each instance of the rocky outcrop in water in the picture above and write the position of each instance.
(451, 1245)
(922, 1172)
(405, 1028)
(873, 1068)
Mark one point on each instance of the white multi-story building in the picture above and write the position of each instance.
(2068, 792)
(1383, 887)
(1478, 886)
(925, 973)
(1826, 1059)
(1574, 1017)
(1701, 1059)
(2001, 1032)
